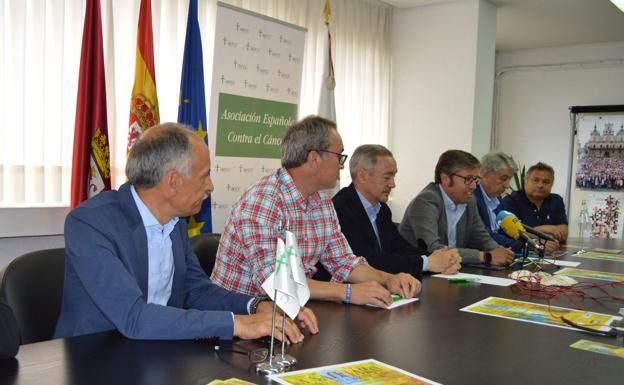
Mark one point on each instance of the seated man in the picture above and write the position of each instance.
(290, 200)
(366, 219)
(9, 332)
(537, 207)
(129, 263)
(445, 214)
(497, 170)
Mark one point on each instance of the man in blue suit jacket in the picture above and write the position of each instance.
(497, 170)
(129, 264)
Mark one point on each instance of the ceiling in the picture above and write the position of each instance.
(523, 24)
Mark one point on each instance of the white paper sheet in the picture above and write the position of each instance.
(397, 303)
(559, 262)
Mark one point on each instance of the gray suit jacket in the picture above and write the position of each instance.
(425, 220)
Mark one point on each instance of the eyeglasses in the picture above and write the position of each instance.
(469, 179)
(342, 158)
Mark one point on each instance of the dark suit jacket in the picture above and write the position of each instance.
(396, 255)
(499, 237)
(9, 332)
(106, 277)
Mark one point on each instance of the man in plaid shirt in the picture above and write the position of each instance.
(290, 200)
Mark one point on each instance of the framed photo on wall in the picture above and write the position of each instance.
(596, 185)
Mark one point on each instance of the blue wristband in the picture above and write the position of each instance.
(348, 295)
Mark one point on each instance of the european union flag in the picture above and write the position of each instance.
(192, 108)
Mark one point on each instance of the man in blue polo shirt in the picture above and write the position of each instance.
(536, 206)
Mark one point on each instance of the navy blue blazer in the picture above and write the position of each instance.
(395, 255)
(106, 276)
(498, 236)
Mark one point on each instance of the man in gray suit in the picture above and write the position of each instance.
(445, 213)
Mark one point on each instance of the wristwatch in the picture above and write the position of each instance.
(253, 306)
(487, 258)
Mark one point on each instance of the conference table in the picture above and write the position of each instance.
(431, 338)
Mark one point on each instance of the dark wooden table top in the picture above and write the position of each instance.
(431, 338)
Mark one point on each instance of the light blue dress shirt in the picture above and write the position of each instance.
(160, 254)
(492, 204)
(454, 213)
(372, 211)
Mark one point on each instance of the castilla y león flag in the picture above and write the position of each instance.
(91, 159)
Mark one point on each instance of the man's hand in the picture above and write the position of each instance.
(559, 232)
(404, 284)
(370, 292)
(502, 256)
(444, 261)
(551, 246)
(306, 317)
(259, 325)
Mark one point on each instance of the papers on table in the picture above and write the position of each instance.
(541, 314)
(475, 278)
(557, 262)
(600, 256)
(600, 275)
(599, 347)
(353, 373)
(397, 301)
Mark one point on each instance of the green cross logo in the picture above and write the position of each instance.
(291, 251)
(281, 260)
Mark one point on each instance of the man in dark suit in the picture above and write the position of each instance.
(129, 263)
(366, 219)
(9, 332)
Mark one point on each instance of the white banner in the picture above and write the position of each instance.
(256, 82)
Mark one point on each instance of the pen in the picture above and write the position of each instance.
(396, 297)
(463, 280)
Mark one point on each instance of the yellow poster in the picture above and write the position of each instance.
(352, 373)
(231, 381)
(590, 274)
(540, 314)
(599, 255)
(599, 347)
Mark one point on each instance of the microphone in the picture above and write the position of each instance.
(540, 234)
(512, 226)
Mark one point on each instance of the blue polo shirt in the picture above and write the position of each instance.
(552, 211)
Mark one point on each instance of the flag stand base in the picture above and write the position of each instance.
(267, 368)
(286, 360)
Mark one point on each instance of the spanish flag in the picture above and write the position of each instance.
(144, 100)
(91, 160)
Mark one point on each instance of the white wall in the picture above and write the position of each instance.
(14, 247)
(534, 90)
(436, 57)
(30, 228)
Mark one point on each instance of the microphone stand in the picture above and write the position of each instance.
(271, 367)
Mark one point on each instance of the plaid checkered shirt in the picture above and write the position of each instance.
(246, 255)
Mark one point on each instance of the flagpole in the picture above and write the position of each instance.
(286, 360)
